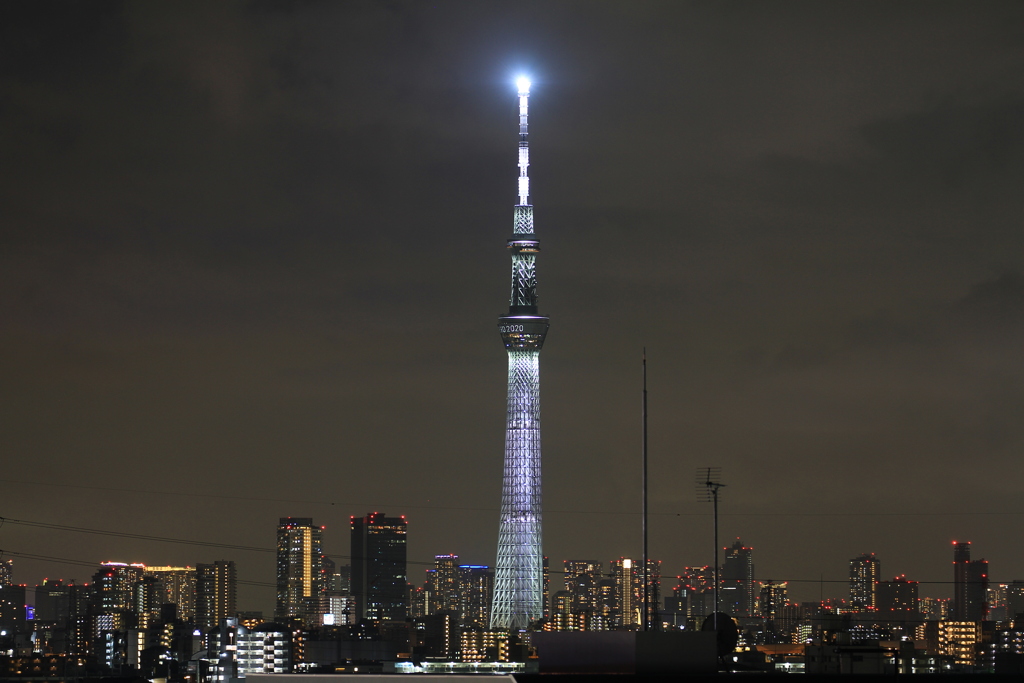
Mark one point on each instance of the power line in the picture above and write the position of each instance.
(125, 534)
(967, 513)
(159, 539)
(86, 563)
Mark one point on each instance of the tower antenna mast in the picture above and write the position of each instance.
(708, 482)
(646, 560)
(518, 573)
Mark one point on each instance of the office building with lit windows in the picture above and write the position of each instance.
(626, 603)
(301, 572)
(443, 585)
(216, 591)
(115, 586)
(581, 578)
(476, 584)
(865, 572)
(379, 573)
(178, 586)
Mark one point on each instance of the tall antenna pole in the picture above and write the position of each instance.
(518, 573)
(707, 488)
(646, 613)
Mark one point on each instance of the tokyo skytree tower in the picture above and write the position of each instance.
(518, 573)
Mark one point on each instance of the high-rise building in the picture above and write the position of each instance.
(518, 573)
(341, 580)
(301, 575)
(997, 602)
(935, 609)
(977, 590)
(12, 609)
(774, 596)
(178, 586)
(115, 586)
(216, 591)
(581, 578)
(772, 607)
(6, 572)
(477, 582)
(970, 584)
(865, 571)
(445, 590)
(148, 599)
(627, 603)
(697, 585)
(653, 593)
(896, 597)
(53, 601)
(379, 567)
(1015, 599)
(737, 592)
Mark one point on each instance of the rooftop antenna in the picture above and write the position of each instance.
(646, 569)
(708, 481)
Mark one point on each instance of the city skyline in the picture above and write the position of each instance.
(249, 271)
(833, 589)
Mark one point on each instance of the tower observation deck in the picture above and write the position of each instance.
(518, 573)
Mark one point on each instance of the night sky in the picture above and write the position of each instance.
(252, 260)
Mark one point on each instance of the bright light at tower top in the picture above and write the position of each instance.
(523, 83)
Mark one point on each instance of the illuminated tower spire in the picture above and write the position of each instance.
(518, 574)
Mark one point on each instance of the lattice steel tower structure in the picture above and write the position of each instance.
(518, 574)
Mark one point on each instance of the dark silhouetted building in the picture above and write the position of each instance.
(737, 592)
(970, 584)
(898, 595)
(12, 609)
(379, 567)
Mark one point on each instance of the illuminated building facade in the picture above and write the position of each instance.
(301, 572)
(216, 591)
(263, 650)
(444, 588)
(774, 596)
(115, 586)
(518, 575)
(957, 639)
(379, 567)
(178, 585)
(476, 584)
(581, 578)
(865, 572)
(628, 606)
(147, 600)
